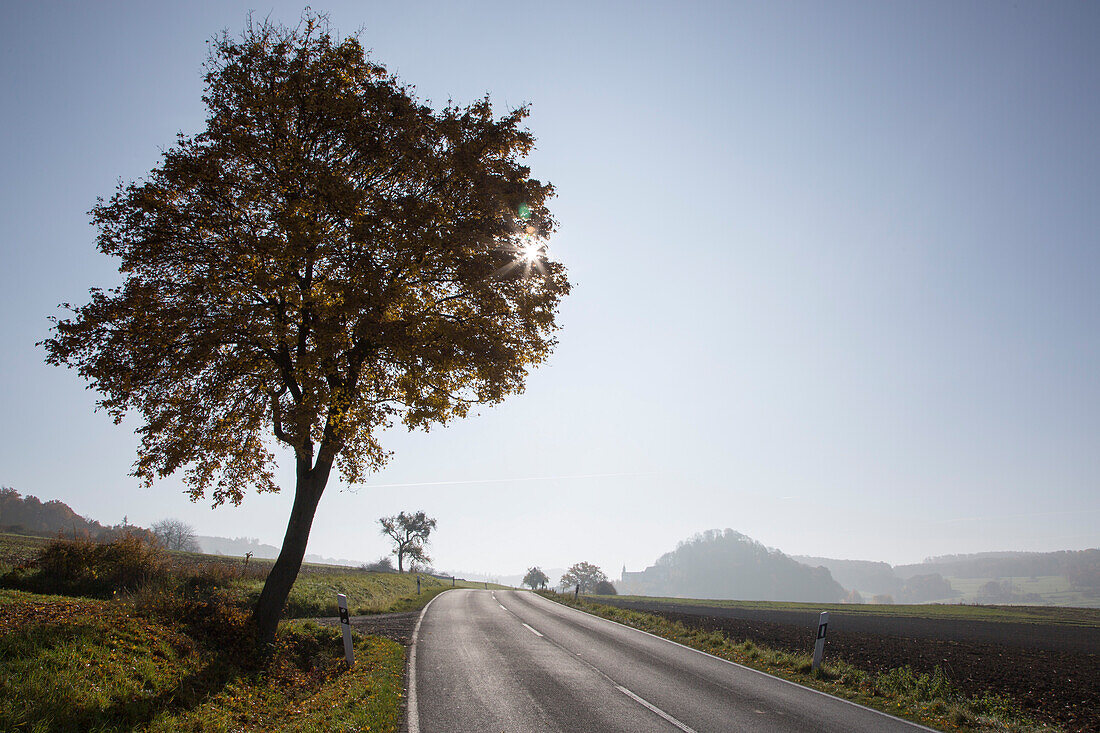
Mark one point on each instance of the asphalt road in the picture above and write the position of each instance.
(485, 661)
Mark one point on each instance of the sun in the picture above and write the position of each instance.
(530, 251)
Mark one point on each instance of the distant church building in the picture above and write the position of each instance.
(641, 584)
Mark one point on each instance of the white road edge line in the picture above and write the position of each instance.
(918, 726)
(413, 716)
(655, 709)
(502, 608)
(531, 630)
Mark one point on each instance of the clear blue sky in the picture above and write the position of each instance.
(837, 273)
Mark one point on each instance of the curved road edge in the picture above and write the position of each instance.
(915, 724)
(412, 717)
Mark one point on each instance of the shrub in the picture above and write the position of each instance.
(381, 565)
(604, 588)
(88, 568)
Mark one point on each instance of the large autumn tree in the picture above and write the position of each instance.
(328, 256)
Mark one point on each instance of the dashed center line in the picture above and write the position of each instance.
(640, 700)
(655, 709)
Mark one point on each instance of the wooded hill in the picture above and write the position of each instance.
(31, 516)
(929, 580)
(865, 575)
(727, 564)
(878, 579)
(1070, 563)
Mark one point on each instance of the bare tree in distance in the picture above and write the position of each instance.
(535, 578)
(583, 575)
(409, 533)
(328, 256)
(176, 534)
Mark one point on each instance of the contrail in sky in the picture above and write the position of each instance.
(1018, 516)
(500, 480)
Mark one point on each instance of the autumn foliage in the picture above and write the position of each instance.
(328, 256)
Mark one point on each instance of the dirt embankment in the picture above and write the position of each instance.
(1060, 684)
(395, 626)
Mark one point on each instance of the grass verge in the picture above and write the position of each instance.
(314, 595)
(929, 699)
(163, 642)
(103, 570)
(69, 664)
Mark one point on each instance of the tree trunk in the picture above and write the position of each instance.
(307, 493)
(400, 555)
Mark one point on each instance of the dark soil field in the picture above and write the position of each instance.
(1045, 636)
(1051, 671)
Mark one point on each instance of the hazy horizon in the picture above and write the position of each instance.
(554, 570)
(836, 275)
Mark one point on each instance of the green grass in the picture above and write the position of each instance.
(314, 594)
(308, 688)
(16, 549)
(928, 699)
(1055, 590)
(78, 664)
(177, 650)
(1089, 617)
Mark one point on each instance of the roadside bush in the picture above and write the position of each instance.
(604, 588)
(904, 682)
(381, 565)
(208, 576)
(88, 568)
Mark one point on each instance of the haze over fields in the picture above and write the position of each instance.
(713, 564)
(835, 273)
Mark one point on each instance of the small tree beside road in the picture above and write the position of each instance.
(535, 578)
(409, 533)
(583, 575)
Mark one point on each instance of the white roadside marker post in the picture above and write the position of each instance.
(345, 624)
(819, 647)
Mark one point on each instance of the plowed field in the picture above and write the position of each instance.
(1054, 673)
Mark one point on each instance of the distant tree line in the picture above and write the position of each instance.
(31, 516)
(864, 575)
(1069, 563)
(927, 581)
(921, 588)
(1004, 591)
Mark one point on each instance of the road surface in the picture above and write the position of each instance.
(512, 661)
